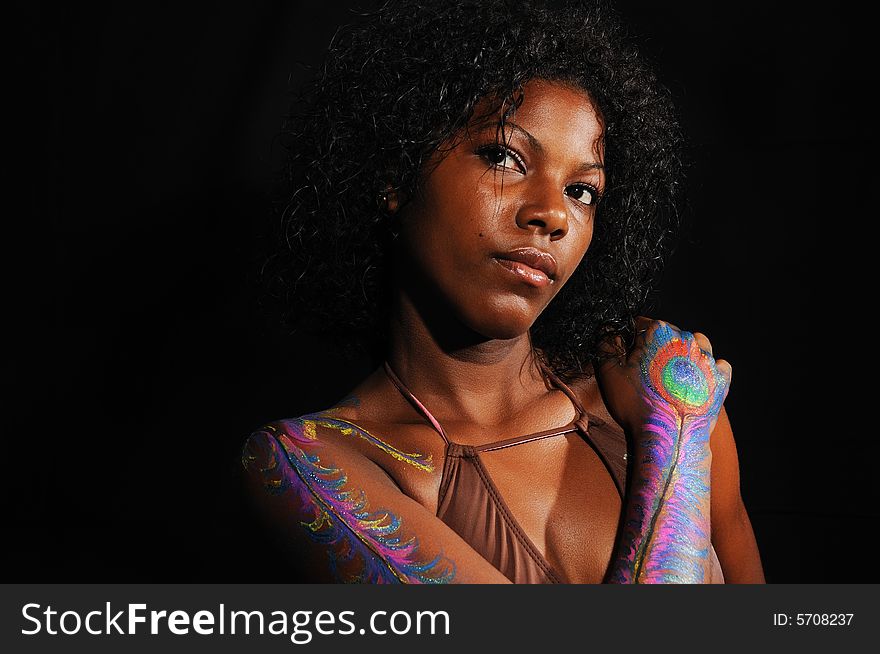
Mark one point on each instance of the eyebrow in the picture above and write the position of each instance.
(535, 144)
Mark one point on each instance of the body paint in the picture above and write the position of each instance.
(325, 419)
(666, 535)
(363, 546)
(329, 418)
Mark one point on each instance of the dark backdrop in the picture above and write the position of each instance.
(140, 361)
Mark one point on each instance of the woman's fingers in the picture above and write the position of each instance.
(612, 349)
(647, 330)
(647, 327)
(724, 369)
(703, 342)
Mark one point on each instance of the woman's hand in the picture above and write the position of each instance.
(668, 371)
(667, 392)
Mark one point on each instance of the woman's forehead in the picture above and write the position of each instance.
(534, 99)
(545, 109)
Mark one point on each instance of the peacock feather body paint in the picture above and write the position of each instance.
(363, 545)
(667, 533)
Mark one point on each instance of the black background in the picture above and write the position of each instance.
(139, 361)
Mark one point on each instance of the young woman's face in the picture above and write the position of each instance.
(497, 230)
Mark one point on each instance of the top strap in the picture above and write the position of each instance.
(415, 402)
(421, 408)
(561, 385)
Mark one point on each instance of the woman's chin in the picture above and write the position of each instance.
(501, 324)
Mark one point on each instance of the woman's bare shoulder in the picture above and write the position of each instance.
(324, 426)
(587, 390)
(321, 434)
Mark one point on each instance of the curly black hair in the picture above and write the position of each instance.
(405, 79)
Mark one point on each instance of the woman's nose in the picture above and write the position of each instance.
(544, 211)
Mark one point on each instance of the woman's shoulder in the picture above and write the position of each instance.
(587, 390)
(352, 433)
(298, 437)
(324, 428)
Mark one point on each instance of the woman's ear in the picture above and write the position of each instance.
(392, 202)
(389, 199)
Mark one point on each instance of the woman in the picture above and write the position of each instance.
(485, 191)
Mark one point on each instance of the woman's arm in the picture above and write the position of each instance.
(343, 519)
(732, 533)
(667, 392)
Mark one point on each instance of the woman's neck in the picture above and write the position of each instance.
(459, 374)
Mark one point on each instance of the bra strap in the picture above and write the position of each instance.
(415, 402)
(561, 385)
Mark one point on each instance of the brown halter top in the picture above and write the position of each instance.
(471, 505)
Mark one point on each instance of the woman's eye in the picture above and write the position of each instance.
(498, 155)
(583, 193)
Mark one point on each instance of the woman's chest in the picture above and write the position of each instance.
(553, 497)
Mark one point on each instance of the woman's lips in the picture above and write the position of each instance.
(527, 274)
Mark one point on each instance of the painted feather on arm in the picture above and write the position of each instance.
(666, 535)
(363, 544)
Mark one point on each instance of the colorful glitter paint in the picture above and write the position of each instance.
(325, 419)
(667, 533)
(363, 545)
